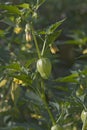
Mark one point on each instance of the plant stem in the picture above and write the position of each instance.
(46, 105)
(43, 47)
(50, 113)
(59, 117)
(36, 44)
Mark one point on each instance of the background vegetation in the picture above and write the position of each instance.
(32, 30)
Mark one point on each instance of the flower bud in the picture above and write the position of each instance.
(28, 37)
(27, 28)
(54, 49)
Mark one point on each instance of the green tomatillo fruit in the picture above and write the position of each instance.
(44, 67)
(84, 119)
(84, 116)
(56, 127)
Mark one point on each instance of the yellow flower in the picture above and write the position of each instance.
(84, 51)
(54, 49)
(36, 116)
(3, 82)
(17, 30)
(17, 81)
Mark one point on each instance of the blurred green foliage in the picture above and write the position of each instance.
(30, 30)
(51, 11)
(75, 12)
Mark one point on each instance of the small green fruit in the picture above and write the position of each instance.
(44, 67)
(84, 116)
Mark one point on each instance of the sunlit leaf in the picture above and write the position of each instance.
(24, 5)
(77, 41)
(53, 27)
(52, 37)
(71, 78)
(11, 9)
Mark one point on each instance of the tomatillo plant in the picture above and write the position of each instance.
(24, 93)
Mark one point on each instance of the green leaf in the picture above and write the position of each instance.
(8, 21)
(76, 42)
(25, 78)
(2, 33)
(53, 27)
(56, 105)
(39, 3)
(82, 57)
(60, 88)
(52, 37)
(71, 78)
(11, 9)
(29, 62)
(14, 66)
(24, 5)
(84, 71)
(32, 96)
(42, 32)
